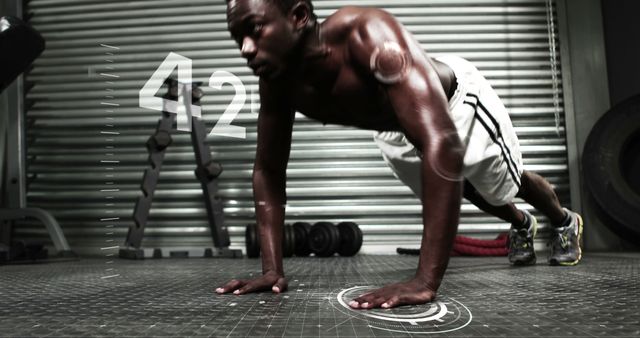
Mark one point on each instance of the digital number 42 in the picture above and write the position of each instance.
(183, 107)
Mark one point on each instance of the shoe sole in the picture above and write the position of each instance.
(523, 263)
(535, 231)
(575, 262)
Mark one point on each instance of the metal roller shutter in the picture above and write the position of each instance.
(335, 173)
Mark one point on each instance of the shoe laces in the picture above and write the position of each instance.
(519, 239)
(562, 238)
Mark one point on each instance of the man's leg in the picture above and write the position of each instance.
(536, 191)
(566, 240)
(523, 226)
(508, 212)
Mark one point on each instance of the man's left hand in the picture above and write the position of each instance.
(406, 293)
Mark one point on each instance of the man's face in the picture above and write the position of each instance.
(264, 34)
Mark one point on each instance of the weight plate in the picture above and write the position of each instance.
(350, 238)
(324, 239)
(288, 242)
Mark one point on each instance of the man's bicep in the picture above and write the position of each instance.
(420, 106)
(423, 114)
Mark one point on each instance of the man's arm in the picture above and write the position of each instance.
(275, 123)
(382, 49)
(269, 175)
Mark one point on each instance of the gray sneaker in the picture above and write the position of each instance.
(521, 251)
(566, 242)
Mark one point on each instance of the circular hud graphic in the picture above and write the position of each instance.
(442, 315)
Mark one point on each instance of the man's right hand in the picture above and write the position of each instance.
(270, 280)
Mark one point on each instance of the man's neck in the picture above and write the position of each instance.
(313, 45)
(311, 49)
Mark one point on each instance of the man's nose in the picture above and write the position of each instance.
(248, 49)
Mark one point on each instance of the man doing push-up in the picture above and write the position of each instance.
(440, 126)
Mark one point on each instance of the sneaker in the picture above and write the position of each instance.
(521, 251)
(566, 242)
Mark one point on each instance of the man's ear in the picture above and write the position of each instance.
(301, 15)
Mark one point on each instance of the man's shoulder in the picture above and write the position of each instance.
(352, 19)
(349, 13)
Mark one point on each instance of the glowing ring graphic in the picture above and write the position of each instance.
(434, 313)
(389, 48)
(414, 318)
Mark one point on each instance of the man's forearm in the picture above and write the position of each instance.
(270, 198)
(440, 213)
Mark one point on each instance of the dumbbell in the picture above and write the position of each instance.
(289, 241)
(325, 239)
(252, 241)
(301, 239)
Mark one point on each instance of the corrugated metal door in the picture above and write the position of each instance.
(86, 133)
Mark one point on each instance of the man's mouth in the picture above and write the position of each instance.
(257, 68)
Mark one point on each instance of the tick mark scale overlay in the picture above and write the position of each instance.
(109, 161)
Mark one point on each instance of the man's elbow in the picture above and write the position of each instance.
(265, 173)
(447, 157)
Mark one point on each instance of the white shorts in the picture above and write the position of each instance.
(492, 159)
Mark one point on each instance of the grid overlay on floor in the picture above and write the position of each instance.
(175, 297)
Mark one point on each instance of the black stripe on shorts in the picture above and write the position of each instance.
(497, 138)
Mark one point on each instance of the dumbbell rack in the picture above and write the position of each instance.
(207, 172)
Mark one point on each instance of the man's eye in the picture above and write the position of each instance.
(257, 28)
(236, 37)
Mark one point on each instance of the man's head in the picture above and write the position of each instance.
(268, 31)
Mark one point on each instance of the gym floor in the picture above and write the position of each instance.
(482, 297)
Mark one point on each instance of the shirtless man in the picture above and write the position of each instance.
(437, 117)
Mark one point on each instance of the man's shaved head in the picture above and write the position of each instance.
(268, 32)
(286, 5)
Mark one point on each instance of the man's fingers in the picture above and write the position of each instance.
(250, 287)
(280, 285)
(366, 298)
(240, 287)
(374, 299)
(377, 302)
(263, 284)
(231, 286)
(392, 302)
(372, 303)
